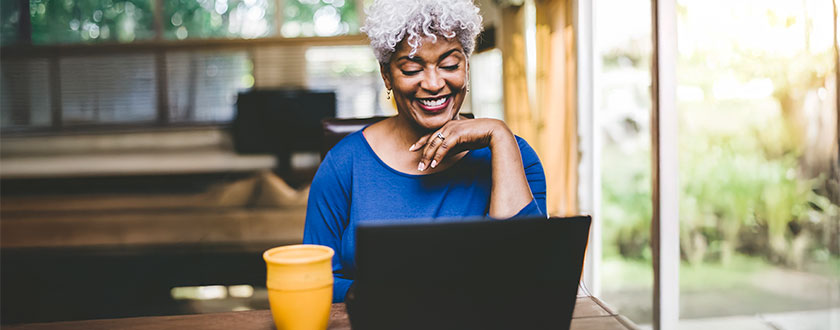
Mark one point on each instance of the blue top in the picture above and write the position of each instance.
(353, 184)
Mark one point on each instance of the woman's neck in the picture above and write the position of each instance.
(407, 131)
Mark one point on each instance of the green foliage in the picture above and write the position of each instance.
(744, 107)
(307, 18)
(218, 19)
(736, 196)
(729, 187)
(9, 21)
(72, 21)
(627, 207)
(90, 21)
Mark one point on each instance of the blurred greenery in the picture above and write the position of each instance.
(93, 21)
(73, 21)
(307, 18)
(752, 179)
(9, 21)
(218, 19)
(627, 207)
(734, 197)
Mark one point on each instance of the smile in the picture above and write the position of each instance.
(434, 104)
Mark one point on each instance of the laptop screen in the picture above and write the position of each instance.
(518, 273)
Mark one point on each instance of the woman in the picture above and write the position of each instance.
(427, 161)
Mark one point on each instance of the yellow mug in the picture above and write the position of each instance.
(300, 283)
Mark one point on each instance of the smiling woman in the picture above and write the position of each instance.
(432, 81)
(427, 161)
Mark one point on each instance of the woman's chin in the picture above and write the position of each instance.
(433, 120)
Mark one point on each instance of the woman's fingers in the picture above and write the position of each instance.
(434, 142)
(458, 135)
(420, 143)
(443, 149)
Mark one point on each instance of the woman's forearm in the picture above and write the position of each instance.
(510, 191)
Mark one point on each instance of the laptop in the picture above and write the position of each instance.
(468, 274)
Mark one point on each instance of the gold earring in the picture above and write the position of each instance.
(388, 94)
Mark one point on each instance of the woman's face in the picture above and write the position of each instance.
(429, 87)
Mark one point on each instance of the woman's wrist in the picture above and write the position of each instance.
(501, 135)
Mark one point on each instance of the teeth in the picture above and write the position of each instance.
(433, 103)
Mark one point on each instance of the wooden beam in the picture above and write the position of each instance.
(555, 122)
(517, 104)
(55, 93)
(836, 79)
(162, 88)
(28, 51)
(279, 17)
(157, 22)
(665, 167)
(24, 23)
(360, 11)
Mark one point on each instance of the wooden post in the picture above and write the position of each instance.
(55, 93)
(160, 67)
(24, 23)
(517, 105)
(837, 78)
(279, 17)
(556, 123)
(360, 11)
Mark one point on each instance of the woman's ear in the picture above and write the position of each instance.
(386, 75)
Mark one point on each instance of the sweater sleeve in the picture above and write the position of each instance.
(536, 180)
(327, 216)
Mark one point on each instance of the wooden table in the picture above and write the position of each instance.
(590, 314)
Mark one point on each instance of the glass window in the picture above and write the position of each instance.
(108, 89)
(757, 101)
(74, 21)
(309, 18)
(203, 85)
(24, 93)
(622, 50)
(486, 87)
(354, 76)
(9, 22)
(218, 19)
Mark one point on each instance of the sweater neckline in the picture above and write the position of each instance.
(400, 173)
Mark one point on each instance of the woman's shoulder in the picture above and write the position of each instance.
(529, 155)
(341, 155)
(524, 147)
(349, 145)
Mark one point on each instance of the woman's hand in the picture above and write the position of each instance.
(510, 192)
(459, 135)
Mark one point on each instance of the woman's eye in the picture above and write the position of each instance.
(410, 72)
(451, 67)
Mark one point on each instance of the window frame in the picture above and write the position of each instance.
(664, 156)
(665, 223)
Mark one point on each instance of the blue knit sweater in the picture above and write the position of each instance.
(353, 184)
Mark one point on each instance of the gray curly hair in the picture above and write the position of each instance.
(390, 21)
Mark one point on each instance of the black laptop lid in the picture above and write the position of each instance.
(482, 274)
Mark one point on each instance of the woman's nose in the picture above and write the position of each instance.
(432, 82)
